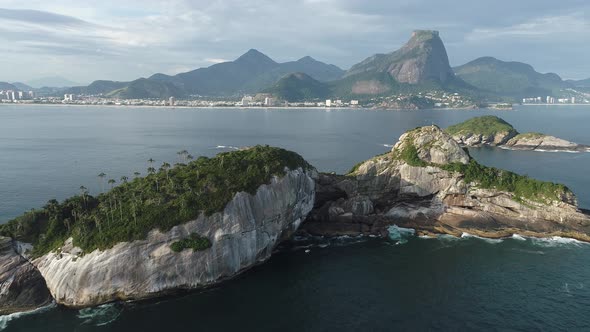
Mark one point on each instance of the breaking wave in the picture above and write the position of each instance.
(101, 315)
(557, 241)
(492, 241)
(4, 320)
(399, 234)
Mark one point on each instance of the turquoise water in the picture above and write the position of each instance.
(352, 284)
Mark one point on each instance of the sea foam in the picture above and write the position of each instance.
(4, 320)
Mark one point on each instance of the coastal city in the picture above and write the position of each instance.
(421, 100)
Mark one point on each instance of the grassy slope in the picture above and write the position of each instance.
(160, 200)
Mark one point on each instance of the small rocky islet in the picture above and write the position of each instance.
(493, 131)
(196, 224)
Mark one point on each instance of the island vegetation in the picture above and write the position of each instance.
(523, 187)
(488, 125)
(164, 198)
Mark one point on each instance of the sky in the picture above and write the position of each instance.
(126, 39)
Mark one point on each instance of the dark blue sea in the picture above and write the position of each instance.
(347, 284)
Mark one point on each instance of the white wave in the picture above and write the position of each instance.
(400, 234)
(425, 237)
(493, 241)
(518, 237)
(568, 151)
(101, 315)
(4, 320)
(226, 147)
(447, 237)
(387, 145)
(557, 241)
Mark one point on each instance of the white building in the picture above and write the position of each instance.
(354, 102)
(573, 100)
(328, 102)
(268, 101)
(171, 101)
(247, 100)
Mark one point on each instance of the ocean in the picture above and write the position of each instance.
(347, 284)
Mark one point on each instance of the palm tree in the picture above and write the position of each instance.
(136, 174)
(102, 176)
(112, 182)
(124, 179)
(83, 191)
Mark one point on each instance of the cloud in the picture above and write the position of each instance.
(123, 40)
(562, 26)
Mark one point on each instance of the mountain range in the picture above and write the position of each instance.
(250, 73)
(422, 64)
(512, 79)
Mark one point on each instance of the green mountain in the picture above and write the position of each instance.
(580, 83)
(144, 88)
(7, 86)
(22, 86)
(97, 88)
(250, 73)
(510, 79)
(299, 87)
(421, 64)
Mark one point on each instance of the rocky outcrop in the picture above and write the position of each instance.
(493, 131)
(22, 287)
(534, 141)
(242, 235)
(423, 58)
(477, 140)
(421, 194)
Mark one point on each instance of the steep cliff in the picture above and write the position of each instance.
(428, 182)
(421, 59)
(242, 235)
(22, 287)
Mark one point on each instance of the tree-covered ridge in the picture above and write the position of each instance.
(488, 125)
(164, 198)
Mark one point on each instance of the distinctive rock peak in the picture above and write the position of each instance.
(423, 58)
(254, 56)
(307, 59)
(430, 145)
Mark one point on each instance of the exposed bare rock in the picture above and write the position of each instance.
(22, 287)
(242, 235)
(535, 141)
(423, 195)
(423, 58)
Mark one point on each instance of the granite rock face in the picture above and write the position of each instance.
(532, 141)
(433, 200)
(22, 288)
(423, 58)
(242, 235)
(477, 140)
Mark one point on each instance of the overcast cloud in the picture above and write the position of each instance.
(123, 40)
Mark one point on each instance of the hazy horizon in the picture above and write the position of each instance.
(124, 41)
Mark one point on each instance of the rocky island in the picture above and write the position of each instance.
(493, 131)
(196, 224)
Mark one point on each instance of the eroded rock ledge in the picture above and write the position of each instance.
(22, 288)
(417, 190)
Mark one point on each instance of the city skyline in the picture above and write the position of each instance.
(123, 41)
